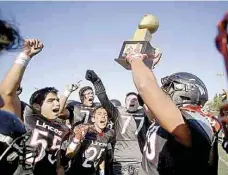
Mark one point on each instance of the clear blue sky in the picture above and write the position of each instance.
(88, 35)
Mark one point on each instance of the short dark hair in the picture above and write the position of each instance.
(130, 93)
(39, 96)
(82, 90)
(11, 39)
(96, 108)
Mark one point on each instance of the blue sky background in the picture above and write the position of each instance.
(89, 35)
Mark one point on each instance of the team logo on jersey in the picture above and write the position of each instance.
(99, 143)
(46, 126)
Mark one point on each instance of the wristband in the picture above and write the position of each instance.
(22, 59)
(74, 144)
(131, 58)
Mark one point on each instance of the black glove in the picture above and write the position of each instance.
(91, 76)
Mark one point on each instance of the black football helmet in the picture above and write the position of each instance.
(13, 149)
(185, 88)
(115, 102)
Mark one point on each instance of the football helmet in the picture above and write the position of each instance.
(13, 149)
(185, 88)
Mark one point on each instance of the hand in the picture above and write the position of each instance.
(80, 132)
(32, 47)
(72, 87)
(155, 56)
(91, 76)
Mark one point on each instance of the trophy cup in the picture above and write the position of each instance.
(140, 43)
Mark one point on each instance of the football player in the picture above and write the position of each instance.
(89, 144)
(179, 137)
(47, 133)
(78, 113)
(13, 149)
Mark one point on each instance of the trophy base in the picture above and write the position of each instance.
(135, 47)
(123, 63)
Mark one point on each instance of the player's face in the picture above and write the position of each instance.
(100, 118)
(88, 97)
(132, 103)
(50, 106)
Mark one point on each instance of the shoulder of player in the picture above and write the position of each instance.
(122, 110)
(74, 105)
(140, 112)
(109, 132)
(198, 122)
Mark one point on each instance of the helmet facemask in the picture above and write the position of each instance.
(181, 93)
(21, 151)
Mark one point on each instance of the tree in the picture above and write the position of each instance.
(213, 106)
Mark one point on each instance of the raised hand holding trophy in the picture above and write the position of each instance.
(140, 42)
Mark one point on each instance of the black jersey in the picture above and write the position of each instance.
(47, 136)
(92, 151)
(80, 113)
(164, 155)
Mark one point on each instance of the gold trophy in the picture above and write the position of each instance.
(140, 43)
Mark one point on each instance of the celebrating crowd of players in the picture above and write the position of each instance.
(159, 130)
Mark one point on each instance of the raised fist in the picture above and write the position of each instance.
(32, 47)
(72, 87)
(91, 76)
(80, 131)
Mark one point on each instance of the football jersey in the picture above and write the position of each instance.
(130, 129)
(11, 128)
(92, 151)
(80, 113)
(164, 155)
(47, 136)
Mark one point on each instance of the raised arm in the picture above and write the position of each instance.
(63, 112)
(113, 112)
(12, 80)
(171, 118)
(79, 133)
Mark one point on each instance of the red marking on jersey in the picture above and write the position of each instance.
(215, 124)
(101, 134)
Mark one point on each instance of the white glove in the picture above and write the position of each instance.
(71, 88)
